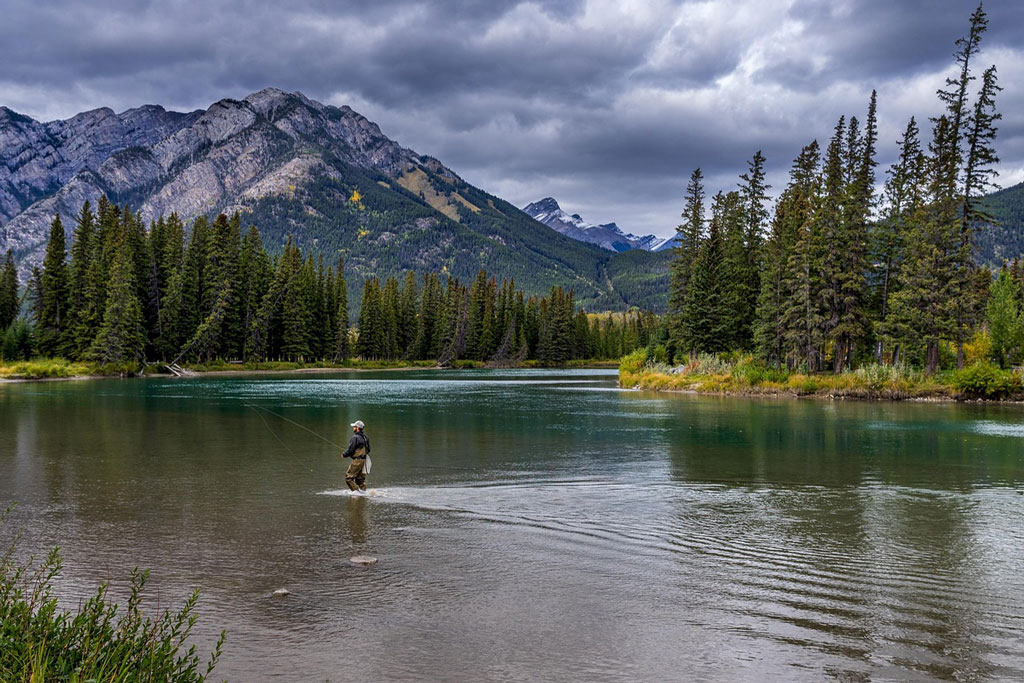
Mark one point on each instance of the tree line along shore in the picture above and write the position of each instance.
(129, 295)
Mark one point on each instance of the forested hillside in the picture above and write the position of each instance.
(1004, 238)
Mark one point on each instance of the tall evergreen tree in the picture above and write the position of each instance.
(904, 191)
(792, 214)
(9, 304)
(704, 299)
(684, 256)
(407, 309)
(122, 336)
(342, 348)
(54, 324)
(371, 341)
(801, 319)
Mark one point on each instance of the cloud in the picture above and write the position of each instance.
(605, 104)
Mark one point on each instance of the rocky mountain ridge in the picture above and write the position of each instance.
(323, 176)
(607, 236)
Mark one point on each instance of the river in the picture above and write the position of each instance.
(535, 525)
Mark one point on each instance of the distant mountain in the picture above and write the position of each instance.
(324, 175)
(1005, 240)
(608, 236)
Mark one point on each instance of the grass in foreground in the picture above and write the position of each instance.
(714, 375)
(99, 642)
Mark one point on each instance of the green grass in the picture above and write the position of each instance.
(47, 368)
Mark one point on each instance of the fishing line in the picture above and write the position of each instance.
(274, 434)
(278, 415)
(323, 438)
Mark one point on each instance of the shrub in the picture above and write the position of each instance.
(755, 372)
(984, 380)
(877, 377)
(39, 642)
(658, 354)
(707, 364)
(634, 362)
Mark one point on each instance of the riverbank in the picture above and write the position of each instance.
(747, 377)
(51, 369)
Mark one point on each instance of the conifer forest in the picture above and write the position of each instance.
(127, 295)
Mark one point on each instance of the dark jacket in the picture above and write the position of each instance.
(358, 446)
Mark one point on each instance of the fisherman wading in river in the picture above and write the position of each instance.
(358, 449)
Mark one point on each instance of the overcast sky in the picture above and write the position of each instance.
(607, 106)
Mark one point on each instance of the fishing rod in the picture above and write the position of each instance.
(325, 439)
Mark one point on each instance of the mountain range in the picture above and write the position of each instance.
(607, 236)
(324, 176)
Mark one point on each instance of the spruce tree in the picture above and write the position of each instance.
(54, 323)
(407, 324)
(122, 335)
(342, 347)
(926, 309)
(684, 255)
(704, 299)
(904, 192)
(295, 313)
(9, 304)
(801, 319)
(370, 343)
(737, 299)
(429, 318)
(389, 308)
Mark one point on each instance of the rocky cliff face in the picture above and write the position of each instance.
(162, 162)
(607, 236)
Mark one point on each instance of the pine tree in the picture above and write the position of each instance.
(370, 343)
(9, 304)
(407, 323)
(704, 300)
(476, 343)
(978, 171)
(122, 336)
(792, 213)
(684, 255)
(852, 322)
(254, 275)
(932, 280)
(737, 299)
(429, 318)
(389, 318)
(904, 191)
(295, 313)
(754, 199)
(801, 319)
(342, 347)
(53, 324)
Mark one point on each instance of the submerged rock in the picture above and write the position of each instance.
(364, 560)
(281, 592)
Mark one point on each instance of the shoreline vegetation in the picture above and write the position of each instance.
(63, 369)
(101, 640)
(744, 375)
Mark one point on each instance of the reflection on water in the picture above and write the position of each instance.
(539, 525)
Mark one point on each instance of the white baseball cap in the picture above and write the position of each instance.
(357, 423)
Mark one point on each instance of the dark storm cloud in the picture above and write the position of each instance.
(607, 105)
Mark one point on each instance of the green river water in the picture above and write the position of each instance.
(536, 525)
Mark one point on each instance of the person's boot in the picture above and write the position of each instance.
(351, 485)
